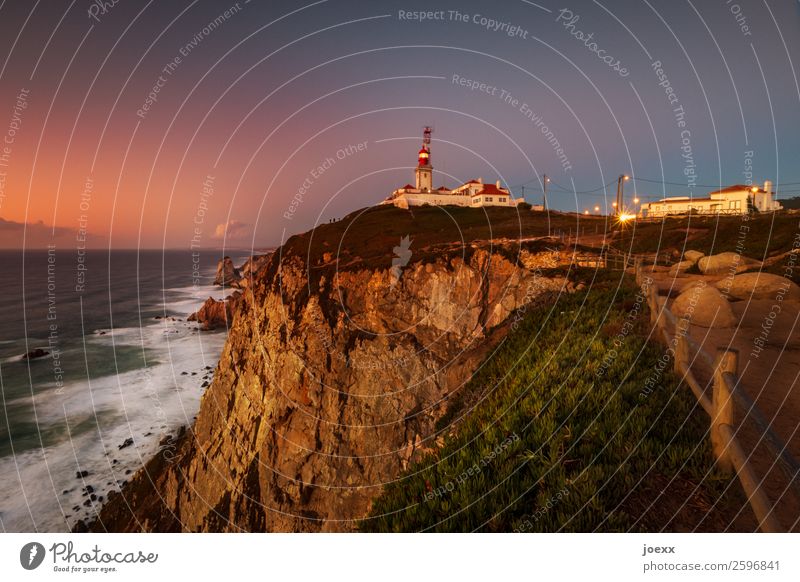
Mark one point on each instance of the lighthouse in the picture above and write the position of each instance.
(424, 170)
(472, 194)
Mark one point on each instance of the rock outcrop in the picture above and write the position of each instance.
(214, 314)
(726, 264)
(693, 256)
(249, 269)
(760, 286)
(227, 274)
(705, 306)
(680, 268)
(331, 383)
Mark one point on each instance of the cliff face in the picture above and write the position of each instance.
(330, 383)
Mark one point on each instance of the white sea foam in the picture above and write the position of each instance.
(143, 404)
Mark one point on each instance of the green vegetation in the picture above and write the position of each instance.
(791, 203)
(757, 236)
(556, 433)
(367, 238)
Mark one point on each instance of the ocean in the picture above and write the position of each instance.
(124, 370)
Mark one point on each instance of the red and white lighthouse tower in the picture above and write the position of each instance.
(424, 169)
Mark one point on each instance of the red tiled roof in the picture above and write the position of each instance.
(442, 189)
(492, 190)
(736, 188)
(685, 201)
(409, 187)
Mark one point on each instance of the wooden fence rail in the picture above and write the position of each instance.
(727, 397)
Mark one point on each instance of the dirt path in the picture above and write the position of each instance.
(768, 340)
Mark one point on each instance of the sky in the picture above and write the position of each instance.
(188, 124)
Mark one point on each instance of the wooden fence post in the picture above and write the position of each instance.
(652, 300)
(681, 350)
(722, 402)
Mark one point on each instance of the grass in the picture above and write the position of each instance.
(759, 236)
(552, 434)
(366, 238)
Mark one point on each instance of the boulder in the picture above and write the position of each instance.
(760, 286)
(33, 354)
(213, 314)
(704, 306)
(680, 268)
(726, 264)
(693, 256)
(227, 274)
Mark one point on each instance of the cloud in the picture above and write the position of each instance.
(231, 230)
(36, 235)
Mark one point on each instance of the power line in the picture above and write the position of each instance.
(637, 179)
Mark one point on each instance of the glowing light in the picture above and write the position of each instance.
(754, 189)
(586, 212)
(624, 217)
(626, 178)
(636, 201)
(597, 209)
(614, 204)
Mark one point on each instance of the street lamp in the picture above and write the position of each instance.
(545, 180)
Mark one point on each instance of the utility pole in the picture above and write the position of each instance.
(620, 189)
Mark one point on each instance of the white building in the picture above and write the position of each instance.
(739, 199)
(474, 193)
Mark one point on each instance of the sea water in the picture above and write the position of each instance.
(124, 370)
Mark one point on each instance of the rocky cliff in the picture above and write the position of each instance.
(332, 379)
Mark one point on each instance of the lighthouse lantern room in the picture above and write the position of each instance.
(424, 170)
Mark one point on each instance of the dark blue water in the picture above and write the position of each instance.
(123, 363)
